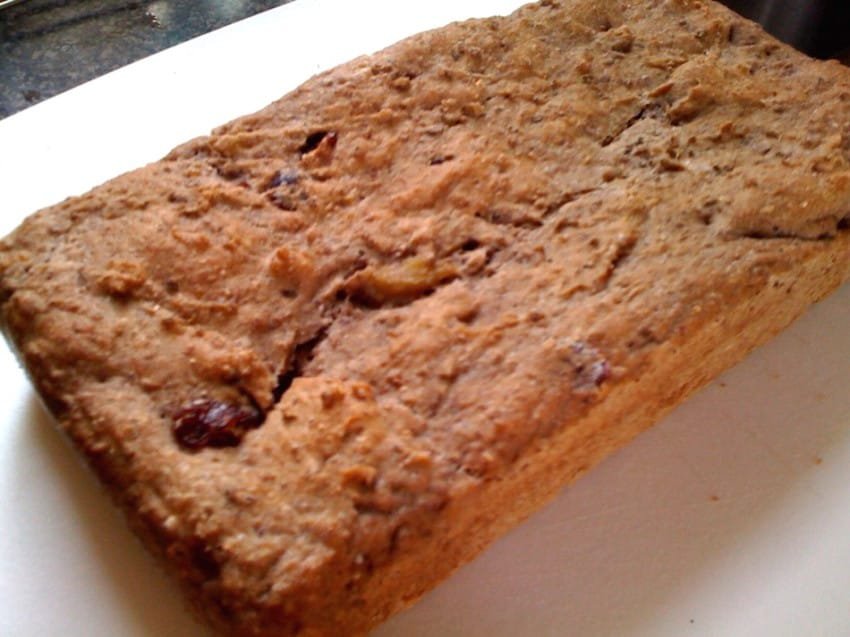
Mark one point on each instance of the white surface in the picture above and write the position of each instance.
(729, 518)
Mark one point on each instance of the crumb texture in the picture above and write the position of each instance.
(290, 346)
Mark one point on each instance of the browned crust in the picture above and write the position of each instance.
(594, 207)
(474, 522)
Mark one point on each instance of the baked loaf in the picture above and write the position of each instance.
(325, 355)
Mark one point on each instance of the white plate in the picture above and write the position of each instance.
(732, 517)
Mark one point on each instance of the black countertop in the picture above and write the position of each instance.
(49, 46)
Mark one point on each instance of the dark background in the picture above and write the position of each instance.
(49, 46)
(818, 27)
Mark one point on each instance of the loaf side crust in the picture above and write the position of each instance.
(426, 290)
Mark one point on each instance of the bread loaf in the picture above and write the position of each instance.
(325, 355)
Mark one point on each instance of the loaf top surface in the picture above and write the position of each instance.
(292, 343)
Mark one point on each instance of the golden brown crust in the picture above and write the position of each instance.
(384, 319)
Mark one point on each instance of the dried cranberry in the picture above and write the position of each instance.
(283, 178)
(599, 372)
(211, 423)
(590, 367)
